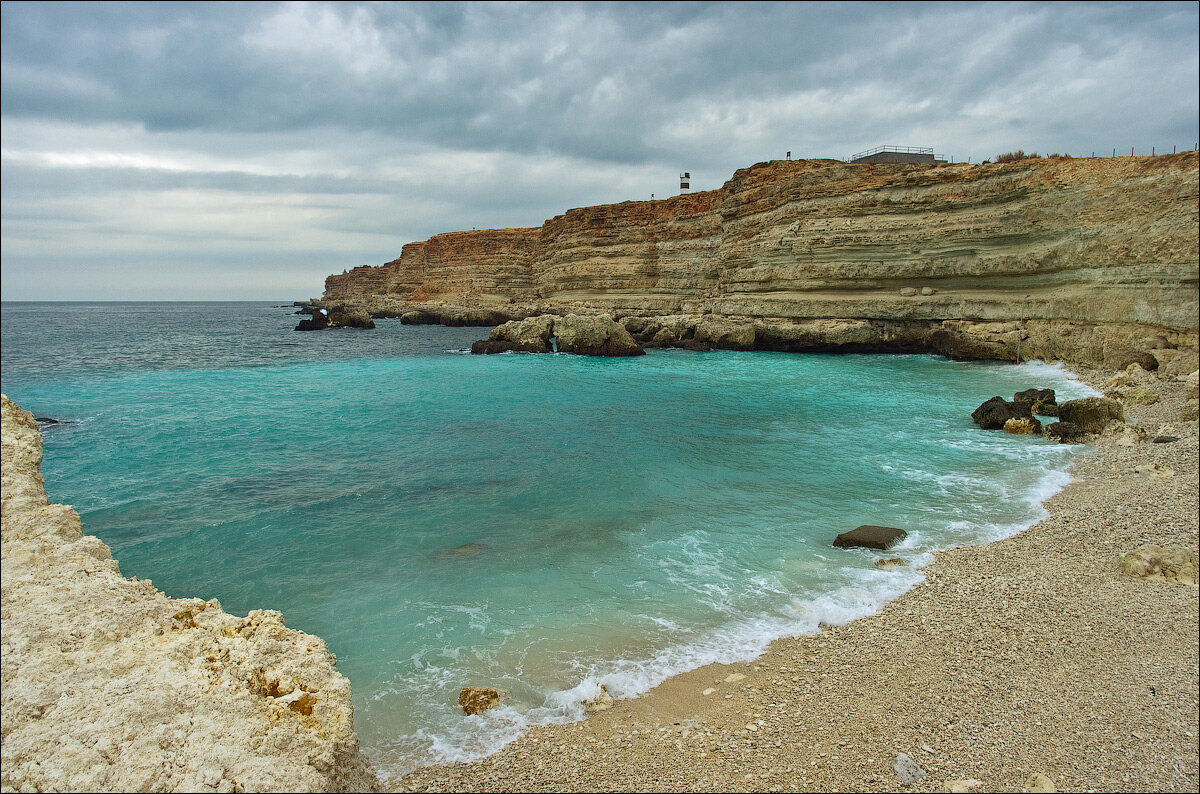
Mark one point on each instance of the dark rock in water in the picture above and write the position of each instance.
(460, 552)
(1091, 414)
(995, 412)
(342, 317)
(318, 321)
(870, 537)
(417, 318)
(45, 421)
(1041, 401)
(1064, 433)
(1165, 439)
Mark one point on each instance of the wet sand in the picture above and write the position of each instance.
(1029, 655)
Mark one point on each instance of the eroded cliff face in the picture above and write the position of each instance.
(108, 685)
(1091, 260)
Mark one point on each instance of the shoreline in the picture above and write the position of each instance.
(1028, 655)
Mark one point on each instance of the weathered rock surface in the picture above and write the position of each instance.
(1041, 401)
(1023, 426)
(1091, 414)
(1064, 433)
(1168, 564)
(996, 412)
(870, 537)
(1086, 260)
(531, 335)
(345, 317)
(110, 685)
(908, 771)
(585, 335)
(478, 699)
(596, 335)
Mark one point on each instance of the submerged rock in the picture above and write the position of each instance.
(870, 537)
(889, 563)
(343, 317)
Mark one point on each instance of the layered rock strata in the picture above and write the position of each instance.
(109, 685)
(1090, 260)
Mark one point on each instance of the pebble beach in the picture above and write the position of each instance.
(1033, 663)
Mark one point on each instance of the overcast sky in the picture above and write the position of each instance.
(182, 151)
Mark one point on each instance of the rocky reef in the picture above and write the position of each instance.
(1088, 261)
(109, 685)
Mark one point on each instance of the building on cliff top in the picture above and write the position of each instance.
(915, 155)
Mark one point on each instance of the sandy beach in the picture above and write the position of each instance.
(1030, 656)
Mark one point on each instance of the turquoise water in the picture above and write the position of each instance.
(542, 524)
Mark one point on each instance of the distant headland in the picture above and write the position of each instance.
(1083, 260)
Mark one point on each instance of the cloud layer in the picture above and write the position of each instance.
(209, 151)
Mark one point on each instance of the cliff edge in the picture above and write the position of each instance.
(110, 685)
(1087, 260)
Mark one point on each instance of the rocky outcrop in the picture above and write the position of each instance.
(996, 412)
(585, 335)
(1089, 260)
(109, 685)
(1041, 401)
(531, 335)
(336, 316)
(596, 335)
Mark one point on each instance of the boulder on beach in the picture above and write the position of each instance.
(1091, 414)
(1167, 564)
(995, 412)
(1041, 401)
(478, 699)
(1064, 433)
(870, 537)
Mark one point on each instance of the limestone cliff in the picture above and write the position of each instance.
(108, 685)
(1087, 260)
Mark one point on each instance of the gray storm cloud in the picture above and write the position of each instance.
(263, 146)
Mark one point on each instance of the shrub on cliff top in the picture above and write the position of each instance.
(1012, 157)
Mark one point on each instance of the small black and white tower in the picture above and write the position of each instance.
(685, 182)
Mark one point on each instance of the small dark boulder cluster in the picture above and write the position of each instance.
(335, 317)
(1076, 418)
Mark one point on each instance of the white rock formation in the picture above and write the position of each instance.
(110, 685)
